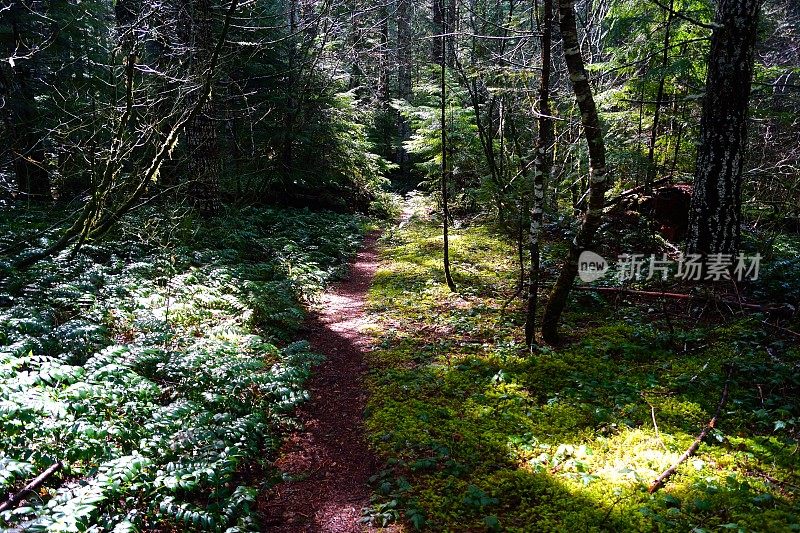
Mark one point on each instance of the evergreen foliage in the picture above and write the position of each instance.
(149, 366)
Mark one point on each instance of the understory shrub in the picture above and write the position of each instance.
(158, 367)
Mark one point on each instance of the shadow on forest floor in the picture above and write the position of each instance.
(476, 432)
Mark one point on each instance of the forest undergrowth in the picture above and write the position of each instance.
(159, 366)
(477, 433)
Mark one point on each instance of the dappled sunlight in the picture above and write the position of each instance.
(484, 430)
(338, 300)
(286, 266)
(326, 463)
(161, 383)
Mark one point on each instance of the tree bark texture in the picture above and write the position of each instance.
(715, 215)
(201, 130)
(599, 178)
(542, 167)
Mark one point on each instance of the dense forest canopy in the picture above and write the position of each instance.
(320, 102)
(589, 264)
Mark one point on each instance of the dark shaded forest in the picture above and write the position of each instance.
(460, 265)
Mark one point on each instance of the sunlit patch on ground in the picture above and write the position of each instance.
(158, 368)
(477, 433)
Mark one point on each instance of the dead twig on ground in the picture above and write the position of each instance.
(781, 329)
(14, 500)
(661, 480)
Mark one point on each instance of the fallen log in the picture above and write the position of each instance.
(634, 190)
(661, 480)
(782, 330)
(615, 290)
(14, 500)
(766, 308)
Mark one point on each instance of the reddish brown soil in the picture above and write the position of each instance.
(328, 459)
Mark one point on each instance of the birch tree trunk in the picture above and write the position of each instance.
(716, 209)
(541, 169)
(599, 179)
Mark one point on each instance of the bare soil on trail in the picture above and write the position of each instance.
(328, 460)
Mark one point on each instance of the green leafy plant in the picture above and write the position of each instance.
(156, 369)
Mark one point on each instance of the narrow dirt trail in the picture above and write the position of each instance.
(328, 459)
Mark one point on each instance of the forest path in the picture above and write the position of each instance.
(328, 458)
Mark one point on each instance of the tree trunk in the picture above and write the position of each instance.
(715, 216)
(651, 164)
(27, 150)
(201, 131)
(445, 171)
(353, 44)
(404, 56)
(451, 23)
(404, 88)
(599, 179)
(384, 92)
(444, 20)
(541, 170)
(437, 19)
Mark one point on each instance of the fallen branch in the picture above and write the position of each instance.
(782, 330)
(773, 480)
(678, 296)
(655, 424)
(661, 480)
(614, 290)
(30, 487)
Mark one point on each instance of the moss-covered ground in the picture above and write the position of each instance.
(478, 433)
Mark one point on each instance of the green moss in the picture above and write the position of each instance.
(478, 434)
